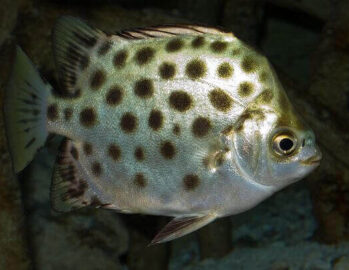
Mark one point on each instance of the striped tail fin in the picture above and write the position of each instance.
(25, 111)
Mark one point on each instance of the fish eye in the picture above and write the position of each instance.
(284, 144)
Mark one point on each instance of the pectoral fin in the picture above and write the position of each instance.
(181, 226)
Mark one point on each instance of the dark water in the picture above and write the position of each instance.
(304, 226)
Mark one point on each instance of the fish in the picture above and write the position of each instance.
(185, 121)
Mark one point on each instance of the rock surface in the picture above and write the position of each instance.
(330, 112)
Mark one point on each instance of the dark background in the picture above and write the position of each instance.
(304, 226)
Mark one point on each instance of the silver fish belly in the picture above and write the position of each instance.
(184, 121)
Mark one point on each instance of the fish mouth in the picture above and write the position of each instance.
(314, 160)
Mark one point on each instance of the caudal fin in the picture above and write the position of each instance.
(25, 111)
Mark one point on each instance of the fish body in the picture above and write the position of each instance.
(183, 121)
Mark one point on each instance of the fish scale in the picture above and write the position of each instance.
(184, 121)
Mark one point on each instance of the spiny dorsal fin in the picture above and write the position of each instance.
(70, 188)
(181, 226)
(170, 30)
(73, 40)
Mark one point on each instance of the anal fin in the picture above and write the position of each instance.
(181, 226)
(71, 188)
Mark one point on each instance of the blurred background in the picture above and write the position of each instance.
(305, 226)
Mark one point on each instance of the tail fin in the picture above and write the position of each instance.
(25, 111)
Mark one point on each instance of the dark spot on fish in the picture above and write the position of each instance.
(218, 46)
(97, 79)
(174, 45)
(84, 62)
(96, 169)
(176, 130)
(88, 117)
(265, 97)
(114, 95)
(180, 101)
(114, 152)
(225, 70)
(52, 112)
(248, 64)
(87, 149)
(144, 55)
(144, 88)
(74, 152)
(78, 190)
(201, 126)
(195, 69)
(119, 59)
(228, 130)
(248, 115)
(220, 100)
(263, 76)
(75, 94)
(85, 40)
(245, 89)
(206, 161)
(67, 172)
(68, 113)
(191, 182)
(29, 143)
(128, 122)
(167, 70)
(167, 150)
(236, 52)
(140, 180)
(104, 48)
(96, 202)
(72, 54)
(198, 42)
(139, 153)
(155, 120)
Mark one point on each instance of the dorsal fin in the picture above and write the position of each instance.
(73, 39)
(169, 30)
(70, 188)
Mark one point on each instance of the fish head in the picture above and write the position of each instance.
(272, 146)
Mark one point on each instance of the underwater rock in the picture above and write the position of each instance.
(83, 239)
(316, 8)
(215, 239)
(8, 18)
(341, 263)
(243, 18)
(277, 256)
(142, 257)
(201, 11)
(185, 251)
(330, 97)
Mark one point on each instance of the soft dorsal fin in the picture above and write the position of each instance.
(170, 30)
(70, 188)
(73, 40)
(181, 226)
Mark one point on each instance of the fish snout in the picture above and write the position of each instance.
(313, 159)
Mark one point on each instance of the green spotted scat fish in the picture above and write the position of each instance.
(183, 121)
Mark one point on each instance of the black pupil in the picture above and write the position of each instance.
(286, 144)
